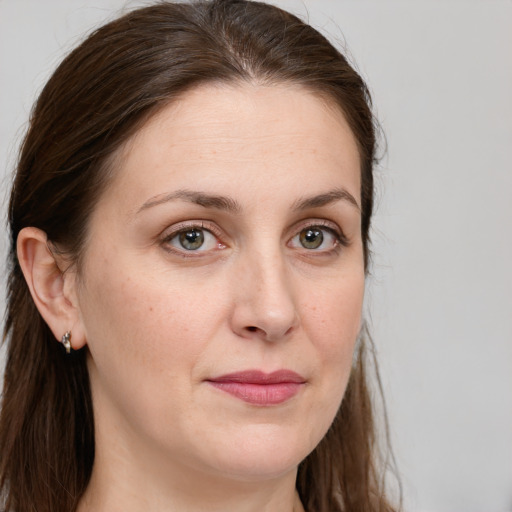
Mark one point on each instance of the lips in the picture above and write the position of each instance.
(260, 388)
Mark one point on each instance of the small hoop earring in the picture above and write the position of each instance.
(66, 341)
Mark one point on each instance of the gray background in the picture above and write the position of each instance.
(440, 296)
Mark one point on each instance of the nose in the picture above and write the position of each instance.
(264, 300)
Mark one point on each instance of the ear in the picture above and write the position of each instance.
(53, 290)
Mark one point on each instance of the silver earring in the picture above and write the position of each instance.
(66, 341)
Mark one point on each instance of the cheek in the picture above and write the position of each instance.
(140, 329)
(145, 336)
(333, 315)
(116, 311)
(333, 322)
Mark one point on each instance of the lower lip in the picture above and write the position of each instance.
(260, 394)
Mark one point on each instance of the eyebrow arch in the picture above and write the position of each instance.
(200, 198)
(338, 194)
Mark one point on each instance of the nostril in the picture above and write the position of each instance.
(251, 328)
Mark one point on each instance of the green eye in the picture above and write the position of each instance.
(191, 239)
(311, 238)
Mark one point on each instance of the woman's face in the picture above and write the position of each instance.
(222, 285)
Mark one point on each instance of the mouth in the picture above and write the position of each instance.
(259, 388)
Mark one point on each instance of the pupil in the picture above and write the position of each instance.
(311, 238)
(192, 239)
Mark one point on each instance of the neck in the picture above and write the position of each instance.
(197, 495)
(128, 480)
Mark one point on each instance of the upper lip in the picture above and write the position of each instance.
(260, 377)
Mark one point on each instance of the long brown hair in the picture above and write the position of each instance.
(98, 97)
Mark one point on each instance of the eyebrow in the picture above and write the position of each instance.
(200, 198)
(317, 201)
(230, 205)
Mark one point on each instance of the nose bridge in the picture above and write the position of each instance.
(265, 304)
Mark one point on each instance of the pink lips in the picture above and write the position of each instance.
(259, 388)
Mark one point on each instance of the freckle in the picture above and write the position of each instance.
(150, 308)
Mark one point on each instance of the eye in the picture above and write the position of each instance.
(316, 238)
(193, 238)
(311, 238)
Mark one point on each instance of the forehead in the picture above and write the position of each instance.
(233, 135)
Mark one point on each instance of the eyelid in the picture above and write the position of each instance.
(172, 231)
(333, 227)
(191, 224)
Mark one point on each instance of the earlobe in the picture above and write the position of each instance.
(52, 290)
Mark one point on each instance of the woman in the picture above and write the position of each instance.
(190, 220)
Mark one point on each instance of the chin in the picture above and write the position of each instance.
(262, 452)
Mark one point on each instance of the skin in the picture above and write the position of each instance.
(160, 320)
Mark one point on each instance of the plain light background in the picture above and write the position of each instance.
(440, 296)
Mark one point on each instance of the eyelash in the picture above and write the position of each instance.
(335, 231)
(340, 238)
(183, 228)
